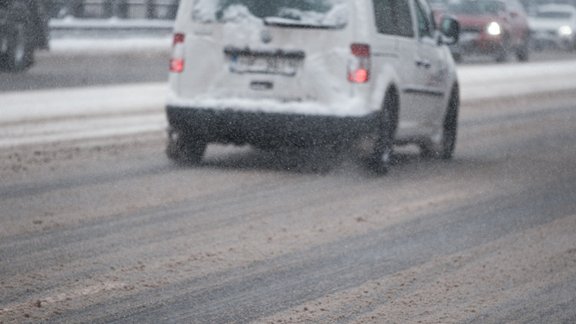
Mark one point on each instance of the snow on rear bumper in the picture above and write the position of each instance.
(352, 103)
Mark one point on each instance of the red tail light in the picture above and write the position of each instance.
(177, 60)
(359, 65)
(176, 65)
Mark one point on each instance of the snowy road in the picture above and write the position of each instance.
(93, 62)
(102, 228)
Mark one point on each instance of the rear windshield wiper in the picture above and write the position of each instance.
(281, 22)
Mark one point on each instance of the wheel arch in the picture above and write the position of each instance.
(390, 108)
(386, 79)
(453, 98)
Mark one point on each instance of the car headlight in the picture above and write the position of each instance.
(494, 29)
(565, 31)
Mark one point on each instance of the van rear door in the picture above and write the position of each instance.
(288, 51)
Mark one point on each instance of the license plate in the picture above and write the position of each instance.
(468, 36)
(263, 65)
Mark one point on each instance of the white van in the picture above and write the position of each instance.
(300, 73)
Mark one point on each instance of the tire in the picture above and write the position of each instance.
(381, 156)
(444, 150)
(502, 50)
(501, 54)
(184, 149)
(19, 55)
(457, 57)
(523, 52)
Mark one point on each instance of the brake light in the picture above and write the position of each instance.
(359, 64)
(177, 60)
(176, 65)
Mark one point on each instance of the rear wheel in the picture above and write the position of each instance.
(523, 52)
(387, 123)
(457, 57)
(184, 149)
(501, 54)
(502, 50)
(19, 49)
(445, 148)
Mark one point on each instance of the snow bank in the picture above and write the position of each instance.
(100, 112)
(30, 106)
(100, 46)
(497, 81)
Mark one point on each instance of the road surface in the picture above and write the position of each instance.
(94, 62)
(117, 233)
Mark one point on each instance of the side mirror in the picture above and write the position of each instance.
(450, 29)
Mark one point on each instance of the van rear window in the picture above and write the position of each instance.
(283, 13)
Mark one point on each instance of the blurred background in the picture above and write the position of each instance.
(128, 9)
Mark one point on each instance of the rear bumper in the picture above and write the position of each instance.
(556, 41)
(266, 129)
(477, 46)
(480, 43)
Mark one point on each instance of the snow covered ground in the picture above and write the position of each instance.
(103, 46)
(495, 81)
(49, 116)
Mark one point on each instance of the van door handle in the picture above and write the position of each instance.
(423, 63)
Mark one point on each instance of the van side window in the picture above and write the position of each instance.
(384, 16)
(393, 17)
(404, 18)
(425, 21)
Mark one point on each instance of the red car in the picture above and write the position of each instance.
(491, 27)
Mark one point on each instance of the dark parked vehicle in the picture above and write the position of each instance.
(491, 27)
(23, 30)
